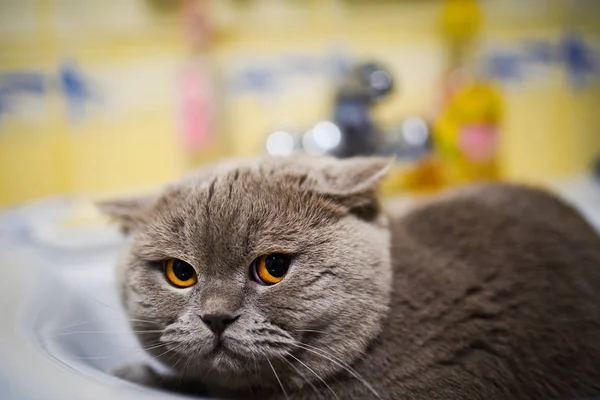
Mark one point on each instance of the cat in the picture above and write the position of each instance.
(285, 278)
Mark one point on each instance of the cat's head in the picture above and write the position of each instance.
(256, 265)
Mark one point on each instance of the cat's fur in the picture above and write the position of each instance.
(489, 292)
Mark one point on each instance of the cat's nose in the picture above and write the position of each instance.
(218, 322)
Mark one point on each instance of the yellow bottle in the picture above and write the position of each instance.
(466, 131)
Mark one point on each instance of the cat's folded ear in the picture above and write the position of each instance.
(354, 182)
(128, 212)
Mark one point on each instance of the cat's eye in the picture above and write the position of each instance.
(270, 269)
(179, 273)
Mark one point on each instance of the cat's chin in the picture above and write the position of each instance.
(225, 357)
(225, 361)
(231, 358)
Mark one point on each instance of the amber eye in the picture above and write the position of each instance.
(270, 269)
(179, 273)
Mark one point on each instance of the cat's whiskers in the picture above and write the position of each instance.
(249, 383)
(155, 346)
(117, 310)
(108, 332)
(302, 376)
(168, 350)
(336, 360)
(177, 362)
(315, 374)
(311, 330)
(101, 321)
(331, 353)
(121, 317)
(95, 357)
(255, 363)
(183, 371)
(137, 350)
(276, 376)
(76, 324)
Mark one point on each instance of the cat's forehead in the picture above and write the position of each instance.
(244, 185)
(258, 170)
(252, 193)
(237, 209)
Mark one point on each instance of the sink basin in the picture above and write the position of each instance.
(62, 328)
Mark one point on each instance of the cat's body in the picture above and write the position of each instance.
(496, 295)
(490, 292)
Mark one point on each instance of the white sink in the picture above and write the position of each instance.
(61, 327)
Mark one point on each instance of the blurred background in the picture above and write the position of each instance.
(102, 97)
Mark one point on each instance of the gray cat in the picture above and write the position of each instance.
(283, 278)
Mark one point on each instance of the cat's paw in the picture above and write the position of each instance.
(142, 374)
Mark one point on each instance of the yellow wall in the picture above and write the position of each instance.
(131, 144)
(549, 131)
